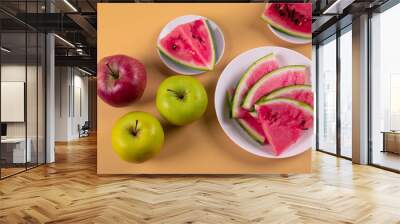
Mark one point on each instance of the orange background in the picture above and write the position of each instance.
(200, 147)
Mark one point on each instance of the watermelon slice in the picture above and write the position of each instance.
(229, 95)
(284, 76)
(294, 19)
(301, 93)
(190, 44)
(283, 121)
(248, 122)
(253, 127)
(256, 71)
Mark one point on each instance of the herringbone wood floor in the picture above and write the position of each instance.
(69, 191)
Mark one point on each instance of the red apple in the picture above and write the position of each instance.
(121, 80)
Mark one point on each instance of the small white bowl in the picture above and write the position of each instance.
(287, 37)
(229, 78)
(218, 38)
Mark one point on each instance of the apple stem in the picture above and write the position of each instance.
(136, 126)
(180, 95)
(113, 74)
(134, 130)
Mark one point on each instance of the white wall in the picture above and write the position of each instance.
(16, 73)
(71, 92)
(81, 100)
(33, 127)
(61, 103)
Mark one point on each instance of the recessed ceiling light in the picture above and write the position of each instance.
(70, 5)
(5, 50)
(64, 40)
(329, 9)
(337, 7)
(84, 71)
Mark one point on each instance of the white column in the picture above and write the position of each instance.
(360, 90)
(50, 99)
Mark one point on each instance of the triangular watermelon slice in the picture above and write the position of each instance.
(247, 122)
(302, 93)
(190, 44)
(253, 127)
(283, 121)
(294, 19)
(257, 70)
(284, 76)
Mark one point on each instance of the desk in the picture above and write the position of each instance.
(16, 147)
(391, 141)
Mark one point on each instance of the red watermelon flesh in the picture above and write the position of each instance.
(284, 76)
(302, 93)
(283, 121)
(294, 19)
(190, 44)
(256, 71)
(247, 122)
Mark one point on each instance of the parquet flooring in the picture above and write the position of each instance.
(10, 171)
(69, 191)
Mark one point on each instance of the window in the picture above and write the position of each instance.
(346, 93)
(327, 96)
(385, 89)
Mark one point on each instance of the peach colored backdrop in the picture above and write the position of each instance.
(201, 147)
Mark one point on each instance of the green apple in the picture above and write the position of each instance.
(137, 137)
(181, 99)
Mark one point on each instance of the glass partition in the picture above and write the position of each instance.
(23, 89)
(14, 155)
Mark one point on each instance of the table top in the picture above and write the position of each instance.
(13, 140)
(201, 147)
(391, 132)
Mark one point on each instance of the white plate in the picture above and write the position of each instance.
(288, 38)
(229, 78)
(218, 38)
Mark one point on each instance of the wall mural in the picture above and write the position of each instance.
(204, 88)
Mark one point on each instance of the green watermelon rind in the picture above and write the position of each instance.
(229, 102)
(250, 132)
(214, 41)
(241, 82)
(295, 103)
(247, 99)
(164, 53)
(276, 93)
(285, 30)
(243, 125)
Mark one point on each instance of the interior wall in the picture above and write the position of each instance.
(80, 103)
(15, 72)
(71, 102)
(61, 103)
(92, 109)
